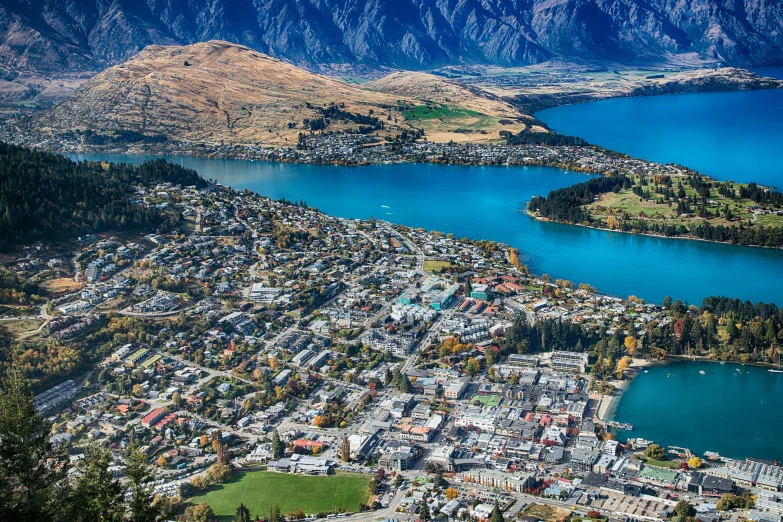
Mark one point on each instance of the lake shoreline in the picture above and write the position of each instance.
(690, 395)
(606, 414)
(646, 234)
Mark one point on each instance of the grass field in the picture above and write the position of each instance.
(439, 112)
(258, 490)
(546, 512)
(61, 285)
(486, 400)
(668, 464)
(431, 265)
(21, 327)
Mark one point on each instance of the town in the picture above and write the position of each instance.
(266, 335)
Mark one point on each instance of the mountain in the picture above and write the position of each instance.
(53, 36)
(209, 92)
(217, 93)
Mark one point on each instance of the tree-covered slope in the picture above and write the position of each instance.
(43, 195)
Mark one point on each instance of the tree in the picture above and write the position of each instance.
(277, 448)
(32, 471)
(274, 514)
(168, 506)
(472, 367)
(176, 398)
(655, 452)
(451, 493)
(345, 449)
(695, 462)
(199, 482)
(162, 461)
(96, 494)
(623, 365)
(424, 511)
(731, 501)
(242, 514)
(497, 515)
(199, 513)
(217, 473)
(138, 390)
(140, 475)
(630, 345)
(683, 510)
(321, 421)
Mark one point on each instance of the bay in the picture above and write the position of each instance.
(480, 203)
(733, 409)
(727, 135)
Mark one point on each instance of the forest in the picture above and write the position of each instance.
(566, 204)
(43, 195)
(540, 138)
(722, 328)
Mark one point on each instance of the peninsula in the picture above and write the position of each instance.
(681, 203)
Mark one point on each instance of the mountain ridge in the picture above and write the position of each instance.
(57, 35)
(219, 93)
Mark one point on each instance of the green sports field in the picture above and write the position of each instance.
(258, 490)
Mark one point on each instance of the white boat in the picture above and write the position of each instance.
(776, 370)
(702, 372)
(646, 371)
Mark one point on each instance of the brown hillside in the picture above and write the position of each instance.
(226, 93)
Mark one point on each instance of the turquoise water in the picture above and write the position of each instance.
(736, 413)
(727, 135)
(479, 202)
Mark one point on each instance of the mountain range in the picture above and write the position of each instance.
(55, 36)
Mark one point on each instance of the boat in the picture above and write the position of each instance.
(723, 362)
(702, 372)
(646, 371)
(776, 370)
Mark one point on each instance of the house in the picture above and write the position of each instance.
(456, 389)
(710, 486)
(584, 459)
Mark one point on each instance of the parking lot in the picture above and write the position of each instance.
(633, 506)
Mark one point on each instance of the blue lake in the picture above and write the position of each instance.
(727, 135)
(480, 203)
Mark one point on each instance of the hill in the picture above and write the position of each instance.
(56, 36)
(218, 93)
(447, 110)
(44, 195)
(213, 92)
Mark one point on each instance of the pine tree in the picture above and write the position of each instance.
(345, 450)
(274, 514)
(497, 515)
(277, 448)
(424, 511)
(32, 471)
(139, 474)
(96, 495)
(243, 514)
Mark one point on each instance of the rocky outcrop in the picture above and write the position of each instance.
(59, 35)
